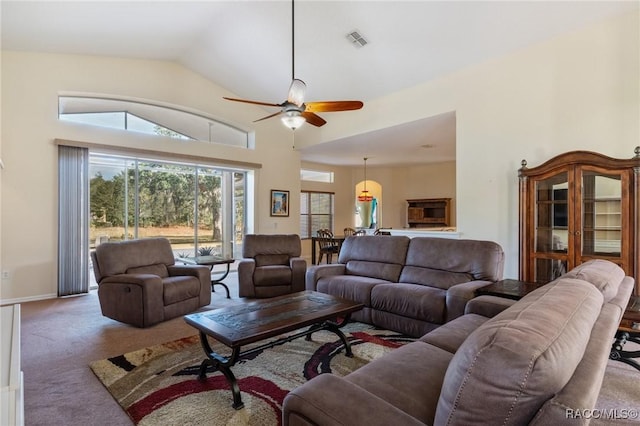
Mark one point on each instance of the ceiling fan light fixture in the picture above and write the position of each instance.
(296, 92)
(295, 111)
(292, 119)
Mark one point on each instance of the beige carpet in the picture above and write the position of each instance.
(61, 337)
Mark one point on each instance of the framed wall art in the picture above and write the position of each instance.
(279, 203)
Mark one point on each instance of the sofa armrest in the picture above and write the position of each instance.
(201, 272)
(321, 401)
(149, 280)
(488, 306)
(298, 269)
(246, 268)
(458, 296)
(316, 272)
(135, 299)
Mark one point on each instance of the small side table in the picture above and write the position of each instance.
(628, 331)
(511, 289)
(211, 261)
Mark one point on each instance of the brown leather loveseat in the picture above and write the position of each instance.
(140, 284)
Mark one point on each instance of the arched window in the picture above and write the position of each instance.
(149, 118)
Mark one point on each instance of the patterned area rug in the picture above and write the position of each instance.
(159, 384)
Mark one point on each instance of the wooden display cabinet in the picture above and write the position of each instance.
(429, 212)
(576, 207)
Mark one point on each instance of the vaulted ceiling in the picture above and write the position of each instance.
(245, 47)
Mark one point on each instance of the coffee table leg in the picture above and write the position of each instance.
(224, 365)
(333, 327)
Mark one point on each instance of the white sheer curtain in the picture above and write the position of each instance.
(73, 220)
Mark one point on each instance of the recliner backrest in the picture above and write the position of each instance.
(132, 256)
(520, 358)
(271, 249)
(374, 256)
(443, 262)
(606, 276)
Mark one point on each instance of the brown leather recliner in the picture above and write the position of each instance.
(271, 266)
(139, 283)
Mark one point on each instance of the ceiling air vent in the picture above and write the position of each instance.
(356, 38)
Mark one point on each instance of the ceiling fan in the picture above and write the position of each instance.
(295, 111)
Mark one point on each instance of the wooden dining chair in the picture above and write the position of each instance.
(349, 231)
(327, 244)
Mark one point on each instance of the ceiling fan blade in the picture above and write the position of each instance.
(268, 116)
(332, 106)
(252, 102)
(296, 92)
(313, 119)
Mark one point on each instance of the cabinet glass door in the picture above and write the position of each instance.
(601, 214)
(552, 236)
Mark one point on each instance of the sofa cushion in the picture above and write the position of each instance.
(255, 244)
(272, 275)
(605, 275)
(383, 271)
(409, 378)
(451, 335)
(271, 259)
(351, 287)
(177, 289)
(519, 359)
(414, 327)
(374, 256)
(410, 300)
(159, 269)
(482, 260)
(433, 277)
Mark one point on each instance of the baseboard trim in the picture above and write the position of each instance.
(4, 302)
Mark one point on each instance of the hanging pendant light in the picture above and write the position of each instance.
(364, 195)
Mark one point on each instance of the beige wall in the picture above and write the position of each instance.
(30, 87)
(578, 91)
(403, 183)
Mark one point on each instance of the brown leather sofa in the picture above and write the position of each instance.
(140, 284)
(271, 265)
(538, 362)
(408, 285)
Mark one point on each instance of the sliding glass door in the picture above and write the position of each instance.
(200, 209)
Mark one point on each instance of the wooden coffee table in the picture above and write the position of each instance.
(252, 322)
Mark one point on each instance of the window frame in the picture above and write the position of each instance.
(171, 121)
(231, 229)
(309, 175)
(309, 231)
